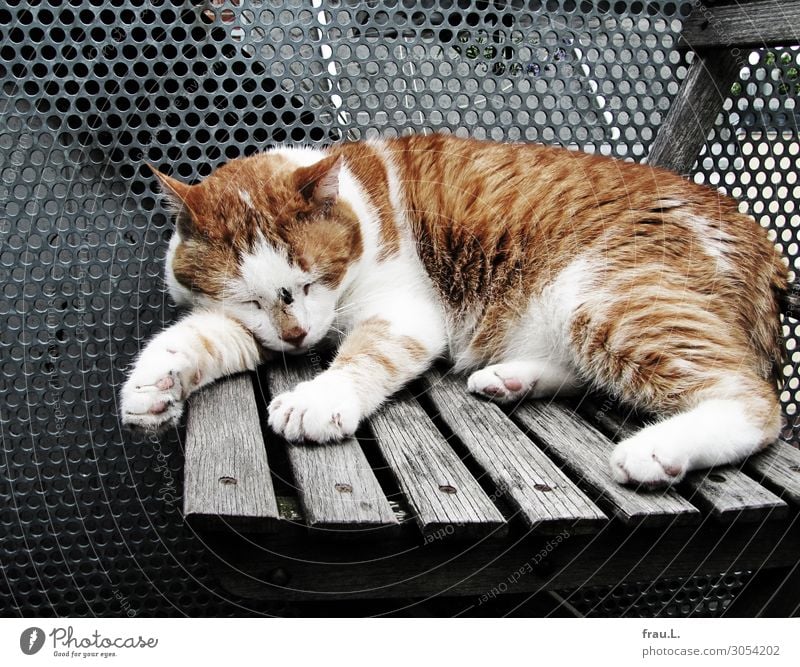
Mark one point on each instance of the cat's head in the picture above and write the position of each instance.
(266, 241)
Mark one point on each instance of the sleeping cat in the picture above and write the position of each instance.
(537, 270)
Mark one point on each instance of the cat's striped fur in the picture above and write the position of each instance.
(537, 269)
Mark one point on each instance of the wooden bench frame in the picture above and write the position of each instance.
(449, 495)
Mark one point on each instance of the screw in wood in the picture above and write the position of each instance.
(228, 481)
(446, 488)
(278, 576)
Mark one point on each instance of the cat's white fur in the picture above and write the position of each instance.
(714, 433)
(538, 359)
(314, 311)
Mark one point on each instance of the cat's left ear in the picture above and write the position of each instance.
(177, 196)
(319, 183)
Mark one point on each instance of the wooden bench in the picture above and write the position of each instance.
(442, 493)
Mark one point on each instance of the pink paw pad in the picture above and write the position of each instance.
(512, 384)
(492, 390)
(673, 470)
(165, 383)
(158, 407)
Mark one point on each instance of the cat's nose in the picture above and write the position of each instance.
(294, 336)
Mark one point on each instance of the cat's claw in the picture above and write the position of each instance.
(317, 411)
(152, 398)
(637, 461)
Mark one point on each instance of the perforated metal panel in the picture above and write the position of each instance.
(695, 597)
(754, 154)
(89, 514)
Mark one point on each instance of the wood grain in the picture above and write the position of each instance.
(778, 468)
(755, 24)
(337, 488)
(227, 476)
(725, 492)
(728, 494)
(522, 474)
(447, 500)
(584, 452)
(302, 570)
(694, 111)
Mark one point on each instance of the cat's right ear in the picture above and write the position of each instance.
(177, 195)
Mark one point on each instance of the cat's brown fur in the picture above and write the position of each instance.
(512, 217)
(222, 226)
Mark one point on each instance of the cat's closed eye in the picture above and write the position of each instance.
(257, 304)
(306, 287)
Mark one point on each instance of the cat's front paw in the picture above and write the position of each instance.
(320, 410)
(152, 398)
(640, 460)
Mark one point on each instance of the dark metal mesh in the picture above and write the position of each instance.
(90, 515)
(695, 597)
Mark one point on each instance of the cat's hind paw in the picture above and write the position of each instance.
(639, 461)
(500, 383)
(316, 411)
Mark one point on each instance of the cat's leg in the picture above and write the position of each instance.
(723, 427)
(512, 381)
(376, 359)
(670, 352)
(195, 351)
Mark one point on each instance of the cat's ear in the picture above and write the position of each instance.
(319, 183)
(177, 195)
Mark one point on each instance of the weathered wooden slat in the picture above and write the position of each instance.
(756, 24)
(725, 492)
(584, 451)
(522, 474)
(447, 500)
(337, 488)
(227, 477)
(694, 111)
(728, 494)
(305, 569)
(778, 468)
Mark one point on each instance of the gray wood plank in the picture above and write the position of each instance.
(584, 451)
(522, 474)
(725, 492)
(694, 111)
(728, 494)
(447, 500)
(778, 468)
(336, 485)
(227, 476)
(390, 569)
(757, 24)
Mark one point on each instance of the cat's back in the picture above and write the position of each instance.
(499, 208)
(496, 225)
(485, 186)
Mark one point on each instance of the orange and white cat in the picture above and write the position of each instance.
(538, 270)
